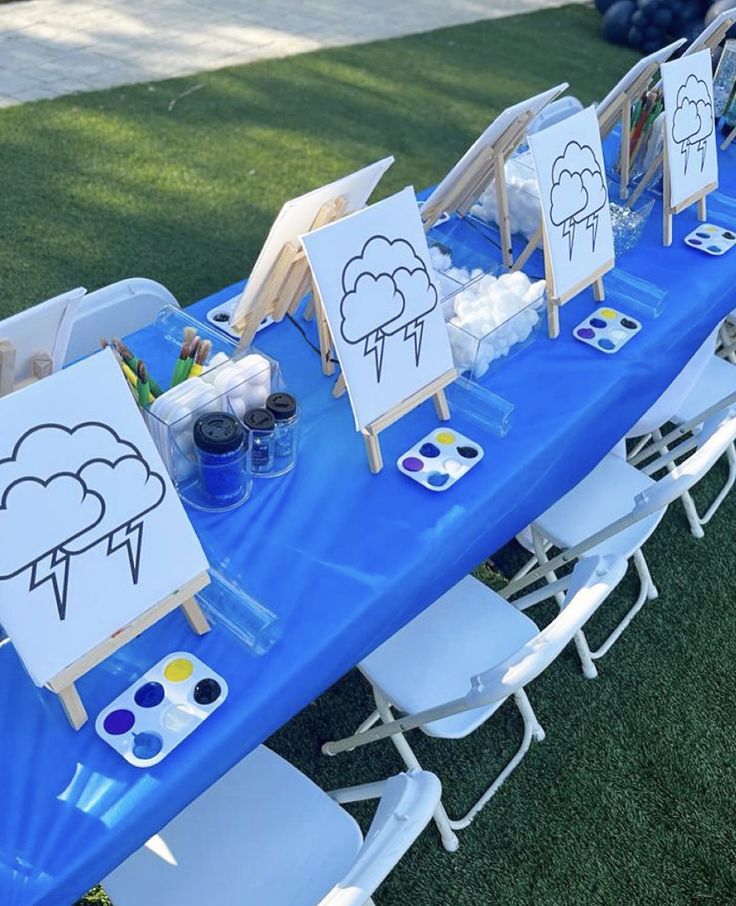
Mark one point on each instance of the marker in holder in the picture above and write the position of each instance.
(285, 410)
(259, 425)
(220, 442)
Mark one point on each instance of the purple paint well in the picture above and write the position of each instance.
(118, 722)
(412, 464)
(585, 333)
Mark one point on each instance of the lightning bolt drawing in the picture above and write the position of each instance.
(701, 147)
(374, 343)
(53, 568)
(416, 330)
(130, 538)
(686, 151)
(568, 229)
(592, 224)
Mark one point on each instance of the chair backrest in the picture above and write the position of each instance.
(718, 431)
(592, 580)
(673, 397)
(116, 310)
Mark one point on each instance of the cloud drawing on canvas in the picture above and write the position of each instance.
(95, 487)
(387, 291)
(578, 192)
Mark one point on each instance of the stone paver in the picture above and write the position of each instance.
(54, 47)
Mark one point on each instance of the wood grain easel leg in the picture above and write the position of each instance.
(440, 406)
(72, 705)
(373, 451)
(7, 367)
(599, 293)
(702, 208)
(340, 387)
(194, 614)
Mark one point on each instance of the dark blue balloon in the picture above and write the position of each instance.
(617, 21)
(603, 5)
(654, 34)
(639, 19)
(635, 37)
(663, 18)
(716, 9)
(650, 46)
(648, 7)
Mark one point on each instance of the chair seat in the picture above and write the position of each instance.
(431, 660)
(717, 381)
(264, 833)
(604, 495)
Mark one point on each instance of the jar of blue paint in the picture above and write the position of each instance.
(285, 411)
(220, 441)
(259, 426)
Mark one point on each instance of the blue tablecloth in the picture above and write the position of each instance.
(344, 558)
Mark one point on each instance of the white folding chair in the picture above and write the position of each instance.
(713, 389)
(453, 666)
(615, 509)
(265, 834)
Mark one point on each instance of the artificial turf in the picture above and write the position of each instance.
(630, 799)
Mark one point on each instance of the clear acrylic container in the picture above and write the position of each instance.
(285, 410)
(522, 190)
(508, 323)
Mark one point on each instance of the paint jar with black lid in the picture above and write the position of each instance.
(220, 442)
(259, 427)
(285, 410)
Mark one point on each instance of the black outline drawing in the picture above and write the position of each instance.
(402, 311)
(693, 94)
(584, 185)
(53, 565)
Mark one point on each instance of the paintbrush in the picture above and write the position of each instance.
(144, 388)
(202, 354)
(178, 376)
(131, 360)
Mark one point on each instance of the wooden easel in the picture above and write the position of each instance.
(668, 209)
(289, 280)
(436, 390)
(488, 165)
(41, 366)
(63, 683)
(554, 301)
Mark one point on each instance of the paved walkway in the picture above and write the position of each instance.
(54, 47)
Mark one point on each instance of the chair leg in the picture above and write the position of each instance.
(647, 591)
(527, 567)
(446, 825)
(441, 819)
(725, 490)
(688, 504)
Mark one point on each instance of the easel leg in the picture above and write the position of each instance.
(309, 310)
(625, 163)
(666, 226)
(599, 293)
(503, 211)
(373, 451)
(440, 406)
(194, 614)
(702, 208)
(339, 388)
(553, 319)
(73, 707)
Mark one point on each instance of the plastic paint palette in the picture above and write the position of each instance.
(711, 239)
(440, 459)
(161, 709)
(607, 330)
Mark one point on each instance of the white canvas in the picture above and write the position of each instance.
(568, 159)
(377, 285)
(637, 70)
(297, 216)
(45, 327)
(93, 533)
(687, 85)
(487, 139)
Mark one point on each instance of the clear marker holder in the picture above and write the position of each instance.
(229, 605)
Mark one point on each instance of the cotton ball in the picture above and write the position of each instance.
(517, 282)
(213, 367)
(238, 407)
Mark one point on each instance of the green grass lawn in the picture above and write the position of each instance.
(630, 799)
